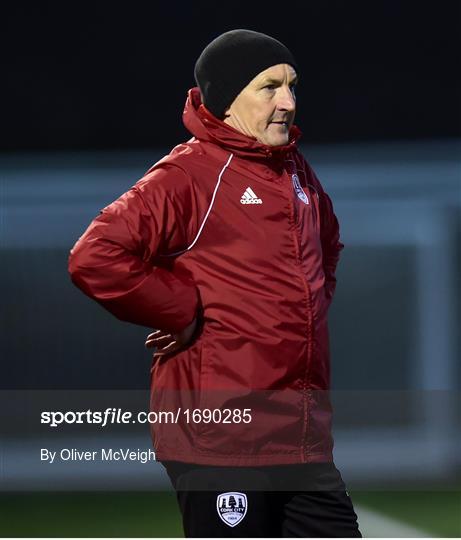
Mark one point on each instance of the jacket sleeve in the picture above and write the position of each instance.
(329, 235)
(114, 262)
(331, 246)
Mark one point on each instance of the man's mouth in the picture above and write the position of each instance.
(280, 122)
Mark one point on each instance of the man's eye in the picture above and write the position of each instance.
(269, 86)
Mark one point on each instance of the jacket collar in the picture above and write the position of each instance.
(206, 127)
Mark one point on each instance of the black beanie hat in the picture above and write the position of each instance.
(231, 61)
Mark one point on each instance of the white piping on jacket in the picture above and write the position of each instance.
(207, 213)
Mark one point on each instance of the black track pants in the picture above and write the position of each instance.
(308, 500)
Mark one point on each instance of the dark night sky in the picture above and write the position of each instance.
(116, 76)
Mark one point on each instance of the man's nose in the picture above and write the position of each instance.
(287, 101)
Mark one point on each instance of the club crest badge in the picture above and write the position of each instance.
(232, 507)
(298, 189)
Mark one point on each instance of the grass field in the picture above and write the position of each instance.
(90, 514)
(143, 514)
(436, 512)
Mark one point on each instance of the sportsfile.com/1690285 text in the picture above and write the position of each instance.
(113, 415)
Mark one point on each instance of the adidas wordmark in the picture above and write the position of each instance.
(250, 197)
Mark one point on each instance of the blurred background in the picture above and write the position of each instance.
(92, 97)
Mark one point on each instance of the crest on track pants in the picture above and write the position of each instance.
(232, 507)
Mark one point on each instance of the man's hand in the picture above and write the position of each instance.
(170, 343)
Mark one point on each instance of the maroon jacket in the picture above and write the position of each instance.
(244, 235)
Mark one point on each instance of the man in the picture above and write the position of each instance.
(228, 246)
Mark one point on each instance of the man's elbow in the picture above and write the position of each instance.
(77, 265)
(73, 262)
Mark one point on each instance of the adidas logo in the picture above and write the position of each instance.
(250, 197)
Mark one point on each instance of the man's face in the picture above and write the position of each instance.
(265, 108)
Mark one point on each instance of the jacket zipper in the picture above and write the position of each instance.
(304, 389)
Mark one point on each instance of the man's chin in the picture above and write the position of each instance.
(281, 140)
(277, 135)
